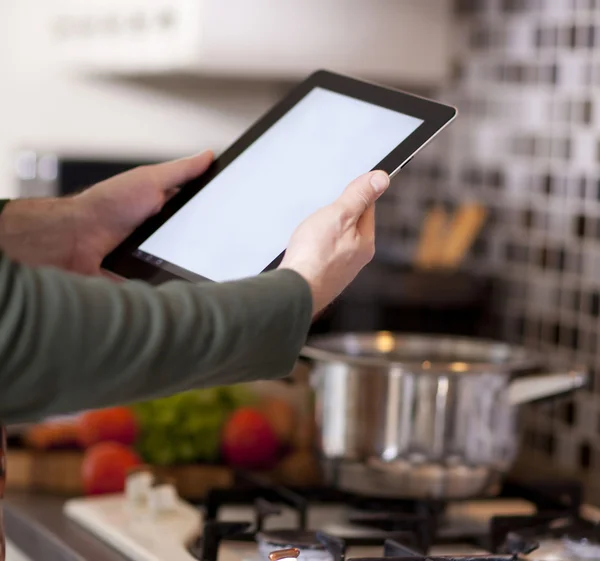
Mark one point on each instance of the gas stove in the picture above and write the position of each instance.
(259, 521)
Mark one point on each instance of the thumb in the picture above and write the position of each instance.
(173, 174)
(362, 193)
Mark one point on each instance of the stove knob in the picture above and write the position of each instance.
(162, 498)
(138, 485)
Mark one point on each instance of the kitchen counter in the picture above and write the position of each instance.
(36, 525)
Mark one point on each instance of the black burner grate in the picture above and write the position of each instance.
(407, 527)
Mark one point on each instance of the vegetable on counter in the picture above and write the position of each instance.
(105, 467)
(115, 424)
(249, 441)
(51, 435)
(186, 428)
(230, 427)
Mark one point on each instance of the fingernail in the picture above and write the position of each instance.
(198, 155)
(380, 181)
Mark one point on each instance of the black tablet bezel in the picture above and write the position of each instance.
(122, 261)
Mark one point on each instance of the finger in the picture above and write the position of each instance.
(174, 173)
(362, 193)
(366, 224)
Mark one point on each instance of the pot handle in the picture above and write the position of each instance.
(541, 386)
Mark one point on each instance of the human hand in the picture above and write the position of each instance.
(332, 245)
(76, 233)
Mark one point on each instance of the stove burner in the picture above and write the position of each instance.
(582, 549)
(565, 537)
(311, 546)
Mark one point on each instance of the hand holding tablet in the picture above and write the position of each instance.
(332, 245)
(237, 219)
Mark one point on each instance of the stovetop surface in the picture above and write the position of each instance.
(225, 530)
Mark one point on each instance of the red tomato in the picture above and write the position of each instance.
(105, 467)
(116, 424)
(249, 442)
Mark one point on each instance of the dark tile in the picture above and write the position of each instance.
(569, 413)
(585, 456)
(467, 7)
(576, 304)
(590, 37)
(510, 252)
(539, 39)
(555, 333)
(496, 178)
(595, 304)
(520, 327)
(436, 172)
(593, 376)
(547, 183)
(519, 73)
(573, 338)
(480, 248)
(457, 71)
(573, 36)
(581, 187)
(541, 146)
(553, 35)
(472, 176)
(528, 219)
(479, 39)
(548, 444)
(523, 146)
(566, 148)
(500, 72)
(580, 226)
(512, 6)
(529, 438)
(560, 259)
(544, 258)
(587, 112)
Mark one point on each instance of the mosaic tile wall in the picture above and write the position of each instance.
(527, 145)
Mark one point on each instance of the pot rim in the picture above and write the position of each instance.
(522, 359)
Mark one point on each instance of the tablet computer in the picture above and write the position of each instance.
(236, 220)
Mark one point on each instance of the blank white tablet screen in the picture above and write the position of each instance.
(243, 219)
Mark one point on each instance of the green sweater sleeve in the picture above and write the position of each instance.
(69, 343)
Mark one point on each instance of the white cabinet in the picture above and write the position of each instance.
(401, 41)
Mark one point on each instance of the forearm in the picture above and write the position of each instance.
(39, 231)
(69, 343)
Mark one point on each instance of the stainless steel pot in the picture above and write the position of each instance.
(420, 416)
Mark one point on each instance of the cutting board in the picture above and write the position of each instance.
(60, 473)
